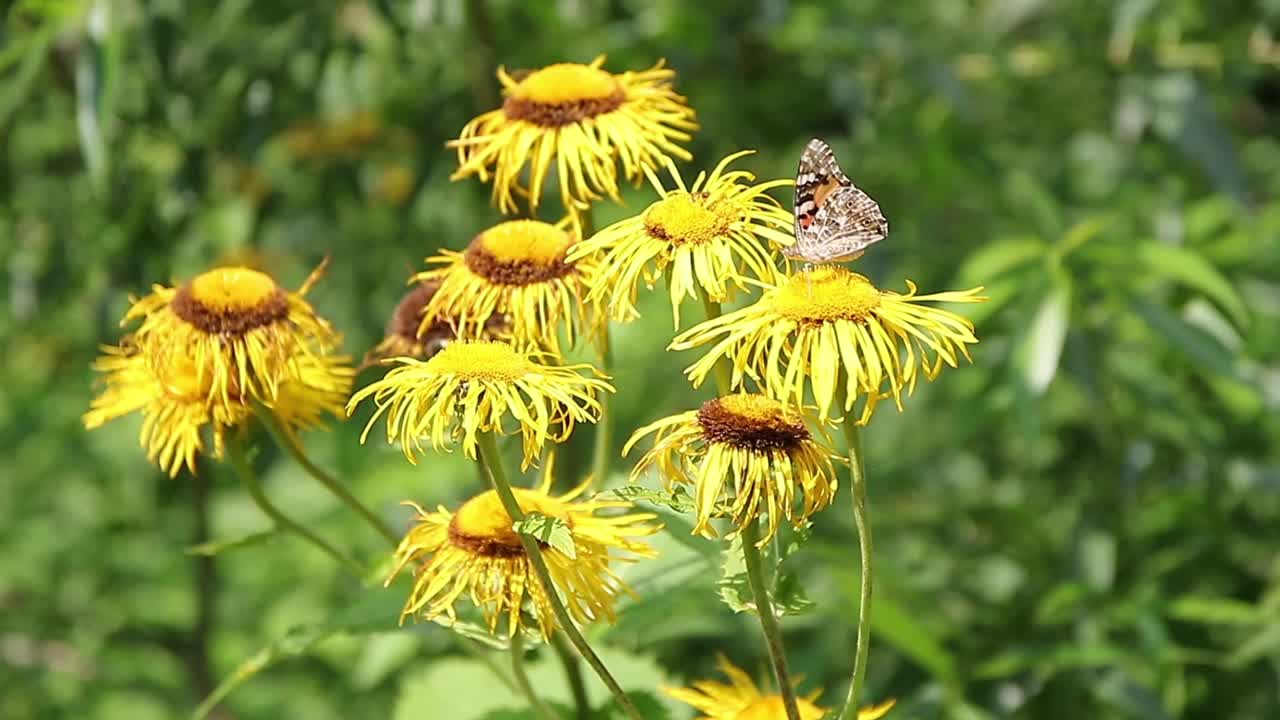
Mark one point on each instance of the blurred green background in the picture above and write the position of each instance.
(1082, 525)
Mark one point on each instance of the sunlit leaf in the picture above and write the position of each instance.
(1042, 346)
(216, 547)
(675, 499)
(1215, 610)
(1188, 267)
(548, 530)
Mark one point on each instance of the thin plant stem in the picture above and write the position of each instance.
(768, 621)
(522, 680)
(724, 380)
(292, 445)
(755, 565)
(602, 454)
(205, 578)
(240, 463)
(498, 477)
(858, 492)
(573, 673)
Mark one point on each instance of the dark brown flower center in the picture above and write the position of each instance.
(230, 319)
(513, 271)
(408, 314)
(751, 422)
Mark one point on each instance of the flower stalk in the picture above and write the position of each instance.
(498, 478)
(755, 565)
(573, 673)
(290, 443)
(240, 463)
(858, 493)
(540, 708)
(768, 620)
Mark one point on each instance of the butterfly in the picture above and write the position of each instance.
(835, 221)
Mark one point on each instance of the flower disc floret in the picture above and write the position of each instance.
(711, 238)
(582, 120)
(745, 455)
(471, 387)
(514, 274)
(242, 334)
(474, 552)
(828, 325)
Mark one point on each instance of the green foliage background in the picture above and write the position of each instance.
(1083, 524)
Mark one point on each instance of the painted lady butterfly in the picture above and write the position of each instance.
(835, 221)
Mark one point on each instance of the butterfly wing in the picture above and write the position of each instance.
(835, 220)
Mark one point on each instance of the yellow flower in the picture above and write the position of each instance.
(712, 235)
(175, 408)
(828, 322)
(741, 699)
(469, 387)
(583, 119)
(321, 385)
(515, 271)
(748, 450)
(175, 405)
(475, 552)
(241, 334)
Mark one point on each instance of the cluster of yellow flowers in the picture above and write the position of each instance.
(206, 351)
(477, 347)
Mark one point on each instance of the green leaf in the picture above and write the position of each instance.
(480, 633)
(1215, 611)
(735, 588)
(1197, 345)
(789, 596)
(650, 707)
(676, 498)
(1032, 199)
(1041, 347)
(1190, 268)
(991, 261)
(216, 547)
(549, 531)
(1259, 645)
(900, 628)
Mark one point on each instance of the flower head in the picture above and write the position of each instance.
(469, 387)
(475, 552)
(408, 335)
(741, 699)
(748, 451)
(515, 271)
(240, 333)
(708, 234)
(827, 322)
(174, 406)
(583, 119)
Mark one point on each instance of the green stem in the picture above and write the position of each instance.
(498, 477)
(290, 443)
(573, 672)
(240, 463)
(603, 452)
(858, 491)
(724, 379)
(755, 566)
(768, 621)
(522, 680)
